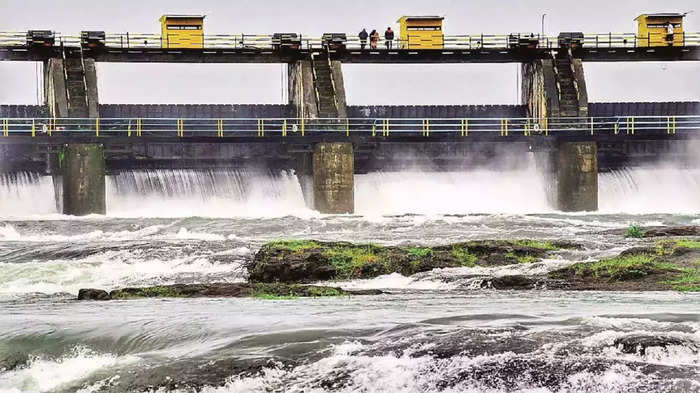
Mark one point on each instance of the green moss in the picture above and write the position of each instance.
(324, 292)
(464, 257)
(634, 231)
(292, 245)
(545, 245)
(356, 261)
(421, 252)
(292, 291)
(522, 258)
(687, 281)
(624, 267)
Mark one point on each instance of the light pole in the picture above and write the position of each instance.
(543, 15)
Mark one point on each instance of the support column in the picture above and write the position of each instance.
(577, 176)
(337, 71)
(333, 177)
(554, 87)
(305, 90)
(70, 87)
(301, 89)
(55, 88)
(83, 179)
(91, 83)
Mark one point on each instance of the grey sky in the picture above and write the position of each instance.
(370, 84)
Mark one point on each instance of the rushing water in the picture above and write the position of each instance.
(431, 332)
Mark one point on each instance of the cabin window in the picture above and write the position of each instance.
(423, 28)
(179, 27)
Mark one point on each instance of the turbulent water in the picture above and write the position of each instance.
(432, 332)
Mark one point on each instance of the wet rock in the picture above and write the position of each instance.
(638, 344)
(513, 282)
(364, 292)
(691, 230)
(261, 290)
(93, 294)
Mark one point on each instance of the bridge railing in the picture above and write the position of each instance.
(13, 38)
(450, 42)
(376, 127)
(631, 40)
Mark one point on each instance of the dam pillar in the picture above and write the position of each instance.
(70, 87)
(577, 176)
(554, 87)
(333, 177)
(83, 168)
(316, 88)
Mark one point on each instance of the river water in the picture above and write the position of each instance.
(432, 332)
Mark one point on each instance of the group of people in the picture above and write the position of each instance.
(374, 38)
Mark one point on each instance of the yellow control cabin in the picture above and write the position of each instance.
(182, 31)
(421, 32)
(653, 29)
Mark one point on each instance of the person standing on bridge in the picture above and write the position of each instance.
(389, 37)
(373, 39)
(363, 38)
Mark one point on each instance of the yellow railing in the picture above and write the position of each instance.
(348, 127)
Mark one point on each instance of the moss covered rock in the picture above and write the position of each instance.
(673, 265)
(304, 261)
(259, 290)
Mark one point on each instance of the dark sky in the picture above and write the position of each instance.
(371, 84)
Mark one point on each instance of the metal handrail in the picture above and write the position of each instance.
(131, 40)
(234, 127)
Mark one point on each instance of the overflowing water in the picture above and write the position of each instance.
(431, 332)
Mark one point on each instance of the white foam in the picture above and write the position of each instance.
(108, 270)
(436, 193)
(664, 189)
(8, 232)
(248, 193)
(393, 281)
(46, 375)
(413, 374)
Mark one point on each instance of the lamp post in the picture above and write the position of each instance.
(543, 15)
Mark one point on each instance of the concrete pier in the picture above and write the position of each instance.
(333, 177)
(70, 87)
(83, 167)
(577, 176)
(317, 89)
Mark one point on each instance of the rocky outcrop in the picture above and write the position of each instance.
(638, 344)
(302, 261)
(221, 290)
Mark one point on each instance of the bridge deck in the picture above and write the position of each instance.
(260, 49)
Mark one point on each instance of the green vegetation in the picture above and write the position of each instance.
(687, 281)
(624, 267)
(356, 261)
(155, 291)
(634, 231)
(324, 292)
(292, 291)
(421, 252)
(293, 245)
(545, 245)
(463, 256)
(522, 258)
